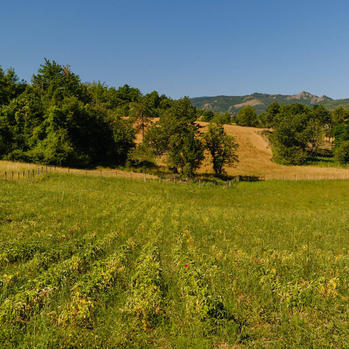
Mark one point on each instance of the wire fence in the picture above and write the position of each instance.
(41, 171)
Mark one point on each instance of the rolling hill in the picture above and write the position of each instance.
(260, 101)
(255, 159)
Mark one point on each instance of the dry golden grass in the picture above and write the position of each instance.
(255, 159)
(13, 169)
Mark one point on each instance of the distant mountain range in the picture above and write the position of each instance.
(260, 101)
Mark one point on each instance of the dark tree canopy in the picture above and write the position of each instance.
(59, 120)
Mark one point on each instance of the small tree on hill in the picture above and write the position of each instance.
(221, 146)
(247, 116)
(267, 118)
(177, 135)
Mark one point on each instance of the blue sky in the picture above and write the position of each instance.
(185, 48)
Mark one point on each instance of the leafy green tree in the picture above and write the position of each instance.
(177, 135)
(206, 115)
(222, 118)
(54, 82)
(140, 114)
(339, 115)
(21, 125)
(123, 137)
(323, 118)
(322, 114)
(267, 118)
(185, 152)
(10, 86)
(342, 152)
(291, 136)
(247, 116)
(74, 131)
(221, 146)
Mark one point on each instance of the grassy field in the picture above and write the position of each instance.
(119, 263)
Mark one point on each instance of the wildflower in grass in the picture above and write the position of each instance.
(186, 266)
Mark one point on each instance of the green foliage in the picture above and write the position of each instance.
(267, 119)
(340, 133)
(185, 152)
(339, 115)
(221, 147)
(10, 87)
(342, 152)
(206, 115)
(145, 301)
(140, 114)
(210, 116)
(177, 136)
(58, 120)
(322, 115)
(111, 98)
(298, 132)
(247, 116)
(222, 118)
(54, 82)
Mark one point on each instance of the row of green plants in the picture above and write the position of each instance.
(145, 302)
(95, 287)
(19, 307)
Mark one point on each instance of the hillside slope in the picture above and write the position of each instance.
(260, 101)
(255, 159)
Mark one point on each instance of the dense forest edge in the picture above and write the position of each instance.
(58, 120)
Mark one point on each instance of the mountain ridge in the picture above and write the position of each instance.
(260, 101)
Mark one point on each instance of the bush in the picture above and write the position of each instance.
(342, 153)
(247, 116)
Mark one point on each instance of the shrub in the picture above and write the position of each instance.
(342, 153)
(247, 116)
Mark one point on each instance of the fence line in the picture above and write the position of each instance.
(44, 170)
(41, 171)
(25, 173)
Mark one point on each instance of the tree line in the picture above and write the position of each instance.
(58, 120)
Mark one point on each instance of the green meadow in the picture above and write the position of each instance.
(122, 263)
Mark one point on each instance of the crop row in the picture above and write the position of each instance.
(21, 306)
(95, 285)
(19, 251)
(194, 272)
(146, 295)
